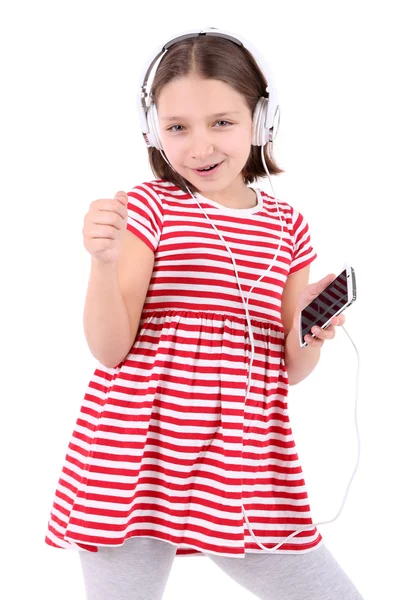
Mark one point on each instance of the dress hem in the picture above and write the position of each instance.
(189, 550)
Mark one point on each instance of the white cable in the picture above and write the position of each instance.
(312, 525)
(350, 481)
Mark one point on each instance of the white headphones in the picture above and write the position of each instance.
(266, 114)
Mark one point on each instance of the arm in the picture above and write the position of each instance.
(114, 302)
(299, 362)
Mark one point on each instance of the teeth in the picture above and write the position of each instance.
(207, 168)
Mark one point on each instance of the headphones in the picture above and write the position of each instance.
(266, 114)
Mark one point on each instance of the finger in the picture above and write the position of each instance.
(313, 342)
(339, 320)
(319, 286)
(324, 334)
(327, 280)
(122, 197)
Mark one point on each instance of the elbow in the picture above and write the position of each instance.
(109, 365)
(292, 380)
(117, 362)
(292, 376)
(108, 362)
(114, 361)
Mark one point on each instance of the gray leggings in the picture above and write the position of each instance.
(139, 570)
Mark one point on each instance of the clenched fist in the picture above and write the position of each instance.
(104, 225)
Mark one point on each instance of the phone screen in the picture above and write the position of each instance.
(327, 303)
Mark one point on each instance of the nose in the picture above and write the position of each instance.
(201, 145)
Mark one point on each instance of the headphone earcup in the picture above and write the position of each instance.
(153, 127)
(260, 134)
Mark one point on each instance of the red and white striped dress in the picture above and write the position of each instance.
(166, 444)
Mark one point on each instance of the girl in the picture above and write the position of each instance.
(176, 452)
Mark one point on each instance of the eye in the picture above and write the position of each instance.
(171, 128)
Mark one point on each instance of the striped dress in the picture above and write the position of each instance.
(166, 444)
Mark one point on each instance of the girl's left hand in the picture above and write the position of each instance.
(305, 297)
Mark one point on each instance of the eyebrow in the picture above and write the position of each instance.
(221, 114)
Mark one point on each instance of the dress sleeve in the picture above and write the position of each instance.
(145, 214)
(303, 252)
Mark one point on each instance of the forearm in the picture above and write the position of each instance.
(106, 321)
(299, 362)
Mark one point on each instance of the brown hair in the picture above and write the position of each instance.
(211, 57)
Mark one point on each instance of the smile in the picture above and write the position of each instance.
(209, 172)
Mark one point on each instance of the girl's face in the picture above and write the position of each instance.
(196, 138)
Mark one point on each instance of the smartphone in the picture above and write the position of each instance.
(334, 299)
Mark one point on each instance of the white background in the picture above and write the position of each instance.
(70, 134)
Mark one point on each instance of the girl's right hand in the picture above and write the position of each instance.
(104, 225)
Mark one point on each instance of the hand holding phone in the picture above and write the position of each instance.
(332, 301)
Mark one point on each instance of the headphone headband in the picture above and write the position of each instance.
(143, 99)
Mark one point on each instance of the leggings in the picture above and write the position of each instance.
(139, 570)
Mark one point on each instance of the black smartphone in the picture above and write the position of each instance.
(334, 299)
